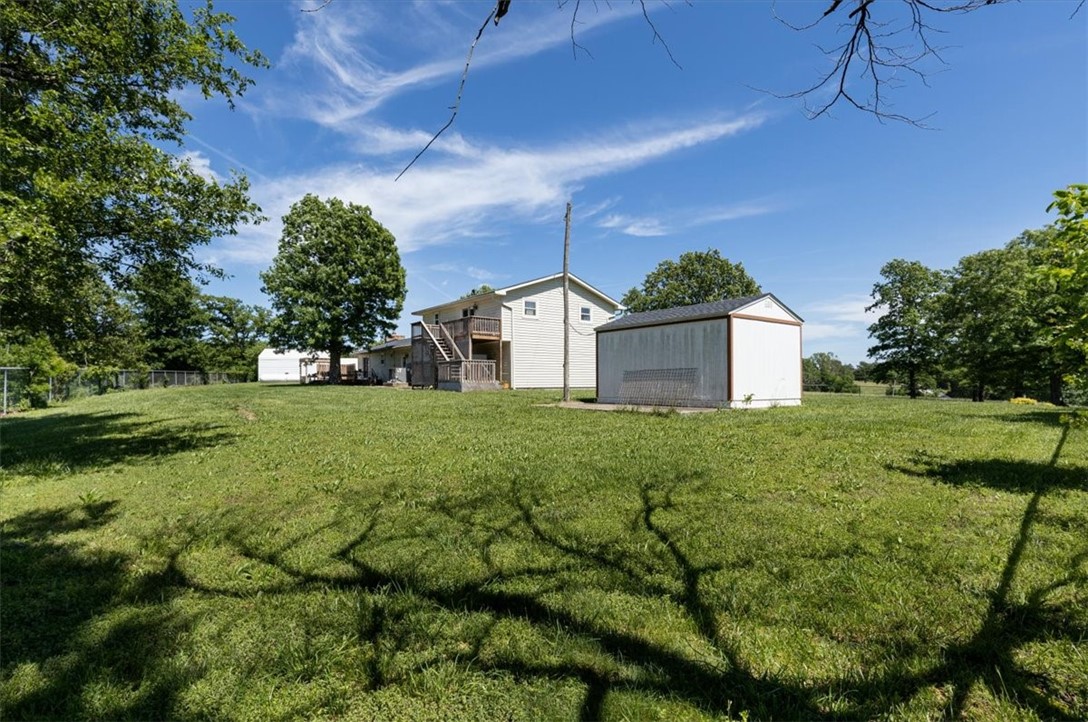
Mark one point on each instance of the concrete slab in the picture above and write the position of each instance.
(587, 406)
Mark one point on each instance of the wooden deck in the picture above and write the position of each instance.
(442, 353)
(348, 374)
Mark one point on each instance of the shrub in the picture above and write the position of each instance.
(45, 368)
(1023, 400)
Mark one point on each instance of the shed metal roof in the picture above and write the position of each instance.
(683, 314)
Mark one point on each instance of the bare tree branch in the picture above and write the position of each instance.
(873, 54)
(657, 35)
(574, 44)
(322, 6)
(501, 7)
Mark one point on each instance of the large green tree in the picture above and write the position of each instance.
(696, 277)
(171, 315)
(93, 185)
(1065, 266)
(989, 320)
(908, 339)
(823, 371)
(337, 281)
(234, 336)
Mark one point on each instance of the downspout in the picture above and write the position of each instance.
(501, 325)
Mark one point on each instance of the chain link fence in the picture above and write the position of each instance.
(20, 393)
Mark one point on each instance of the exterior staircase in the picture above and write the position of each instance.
(440, 344)
(444, 364)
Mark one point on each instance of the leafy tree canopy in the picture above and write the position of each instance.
(1067, 268)
(824, 371)
(482, 290)
(337, 281)
(908, 333)
(697, 277)
(89, 190)
(987, 314)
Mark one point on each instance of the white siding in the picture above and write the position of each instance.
(385, 361)
(700, 345)
(272, 366)
(537, 341)
(766, 363)
(766, 308)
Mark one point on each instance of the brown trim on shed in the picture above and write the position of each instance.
(746, 317)
(597, 366)
(729, 359)
(801, 356)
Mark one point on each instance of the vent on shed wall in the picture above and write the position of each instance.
(659, 387)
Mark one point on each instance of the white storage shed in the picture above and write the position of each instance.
(737, 353)
(287, 366)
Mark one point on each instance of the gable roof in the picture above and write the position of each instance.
(500, 292)
(695, 312)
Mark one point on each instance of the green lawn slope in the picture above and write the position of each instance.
(260, 553)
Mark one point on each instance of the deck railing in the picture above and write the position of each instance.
(466, 370)
(475, 326)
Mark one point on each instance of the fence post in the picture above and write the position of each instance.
(5, 392)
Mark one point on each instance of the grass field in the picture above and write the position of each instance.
(247, 552)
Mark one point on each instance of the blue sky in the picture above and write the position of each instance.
(656, 159)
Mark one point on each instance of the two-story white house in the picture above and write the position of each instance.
(511, 336)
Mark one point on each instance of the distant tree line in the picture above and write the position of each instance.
(1003, 323)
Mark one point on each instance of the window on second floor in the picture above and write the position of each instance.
(530, 308)
(587, 314)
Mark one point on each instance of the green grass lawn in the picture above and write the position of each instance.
(249, 552)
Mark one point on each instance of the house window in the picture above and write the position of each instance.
(465, 312)
(586, 314)
(530, 308)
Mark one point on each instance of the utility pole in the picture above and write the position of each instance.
(566, 308)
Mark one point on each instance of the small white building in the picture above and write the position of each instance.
(737, 353)
(293, 366)
(511, 336)
(391, 361)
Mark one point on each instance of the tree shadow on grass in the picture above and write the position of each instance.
(989, 657)
(64, 443)
(77, 643)
(651, 564)
(717, 681)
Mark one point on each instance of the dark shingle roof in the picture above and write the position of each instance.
(678, 314)
(398, 343)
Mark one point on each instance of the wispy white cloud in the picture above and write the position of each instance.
(480, 274)
(474, 194)
(343, 42)
(679, 220)
(644, 227)
(816, 331)
(840, 318)
(733, 212)
(201, 165)
(849, 308)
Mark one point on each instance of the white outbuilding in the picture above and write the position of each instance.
(287, 366)
(736, 353)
